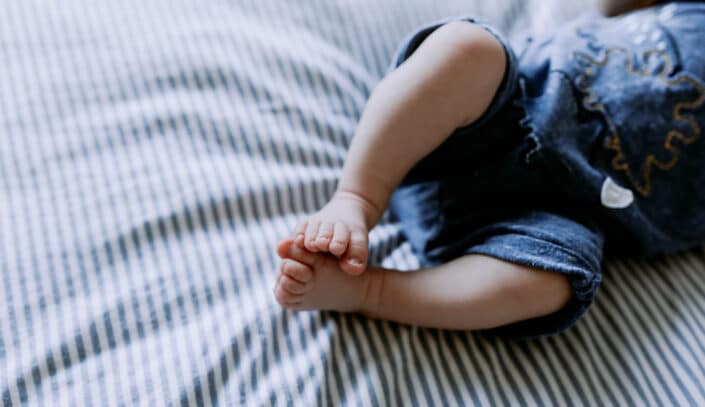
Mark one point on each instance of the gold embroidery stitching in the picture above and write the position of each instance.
(590, 102)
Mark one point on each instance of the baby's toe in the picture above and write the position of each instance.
(292, 285)
(291, 251)
(300, 233)
(355, 260)
(339, 241)
(325, 233)
(311, 233)
(284, 296)
(284, 246)
(298, 271)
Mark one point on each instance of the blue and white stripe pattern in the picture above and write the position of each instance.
(153, 153)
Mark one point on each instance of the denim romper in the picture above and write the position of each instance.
(592, 146)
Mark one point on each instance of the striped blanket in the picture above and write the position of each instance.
(152, 154)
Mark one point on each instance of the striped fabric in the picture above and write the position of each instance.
(152, 153)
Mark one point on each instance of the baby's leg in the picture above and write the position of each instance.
(447, 83)
(468, 293)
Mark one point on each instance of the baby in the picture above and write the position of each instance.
(513, 174)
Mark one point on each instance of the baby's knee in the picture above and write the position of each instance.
(468, 42)
(559, 289)
(539, 292)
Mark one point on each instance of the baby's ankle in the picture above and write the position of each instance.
(372, 296)
(371, 210)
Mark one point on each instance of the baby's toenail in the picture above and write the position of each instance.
(355, 262)
(322, 238)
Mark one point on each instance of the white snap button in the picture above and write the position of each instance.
(614, 196)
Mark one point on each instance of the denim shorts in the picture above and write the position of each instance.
(538, 181)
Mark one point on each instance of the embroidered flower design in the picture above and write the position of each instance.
(636, 94)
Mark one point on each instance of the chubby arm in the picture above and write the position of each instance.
(467, 293)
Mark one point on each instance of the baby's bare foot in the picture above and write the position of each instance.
(340, 228)
(314, 281)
